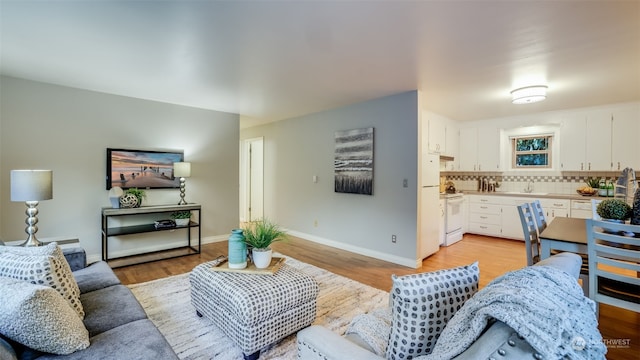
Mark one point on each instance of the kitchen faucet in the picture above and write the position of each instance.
(529, 187)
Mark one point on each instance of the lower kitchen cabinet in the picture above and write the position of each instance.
(496, 215)
(485, 215)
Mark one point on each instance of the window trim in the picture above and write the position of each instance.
(515, 153)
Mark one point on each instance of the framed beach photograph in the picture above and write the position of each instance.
(143, 169)
(353, 161)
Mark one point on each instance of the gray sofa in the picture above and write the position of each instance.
(498, 341)
(118, 326)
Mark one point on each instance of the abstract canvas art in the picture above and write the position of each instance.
(353, 162)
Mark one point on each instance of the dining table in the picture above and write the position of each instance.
(565, 234)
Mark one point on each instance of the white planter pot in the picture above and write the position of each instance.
(182, 222)
(262, 257)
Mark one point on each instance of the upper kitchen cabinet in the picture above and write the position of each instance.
(437, 133)
(489, 149)
(468, 154)
(601, 140)
(453, 141)
(479, 149)
(573, 137)
(624, 135)
(598, 141)
(586, 142)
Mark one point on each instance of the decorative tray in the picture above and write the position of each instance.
(276, 263)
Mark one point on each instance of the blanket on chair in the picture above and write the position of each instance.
(544, 305)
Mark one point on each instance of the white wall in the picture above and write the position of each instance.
(297, 149)
(68, 130)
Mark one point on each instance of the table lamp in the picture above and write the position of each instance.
(182, 170)
(31, 186)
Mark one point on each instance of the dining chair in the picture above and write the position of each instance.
(531, 239)
(538, 211)
(617, 282)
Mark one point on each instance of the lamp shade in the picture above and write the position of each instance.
(529, 94)
(182, 169)
(31, 185)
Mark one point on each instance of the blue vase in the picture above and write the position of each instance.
(237, 250)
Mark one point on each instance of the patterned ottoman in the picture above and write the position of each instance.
(254, 310)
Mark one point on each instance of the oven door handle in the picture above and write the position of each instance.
(454, 201)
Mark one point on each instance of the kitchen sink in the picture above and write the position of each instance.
(523, 193)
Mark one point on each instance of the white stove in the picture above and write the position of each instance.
(453, 218)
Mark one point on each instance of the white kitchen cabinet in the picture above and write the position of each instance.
(479, 149)
(452, 145)
(573, 136)
(598, 141)
(465, 214)
(585, 143)
(496, 215)
(485, 215)
(511, 224)
(488, 149)
(554, 208)
(443, 232)
(624, 129)
(587, 139)
(437, 134)
(468, 153)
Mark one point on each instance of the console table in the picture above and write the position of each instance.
(145, 213)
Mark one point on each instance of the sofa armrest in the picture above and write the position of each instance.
(76, 257)
(499, 341)
(566, 261)
(317, 342)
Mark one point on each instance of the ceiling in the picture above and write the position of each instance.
(273, 60)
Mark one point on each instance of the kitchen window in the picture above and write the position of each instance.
(531, 152)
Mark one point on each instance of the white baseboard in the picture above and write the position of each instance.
(412, 263)
(205, 240)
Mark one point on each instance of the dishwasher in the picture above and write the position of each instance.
(581, 209)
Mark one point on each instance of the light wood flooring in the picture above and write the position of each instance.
(620, 328)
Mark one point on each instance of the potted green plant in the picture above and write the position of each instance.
(614, 210)
(182, 217)
(132, 198)
(259, 236)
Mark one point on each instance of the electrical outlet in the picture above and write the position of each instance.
(405, 183)
(393, 239)
(315, 223)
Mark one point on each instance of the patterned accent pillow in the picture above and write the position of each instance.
(38, 317)
(422, 304)
(43, 265)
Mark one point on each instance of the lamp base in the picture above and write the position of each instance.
(182, 186)
(31, 241)
(32, 220)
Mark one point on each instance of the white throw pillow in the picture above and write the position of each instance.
(42, 265)
(422, 304)
(37, 316)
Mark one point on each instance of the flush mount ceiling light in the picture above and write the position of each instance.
(529, 94)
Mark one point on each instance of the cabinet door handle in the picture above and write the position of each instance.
(581, 166)
(589, 166)
(618, 165)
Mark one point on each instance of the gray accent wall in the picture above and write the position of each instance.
(67, 130)
(297, 149)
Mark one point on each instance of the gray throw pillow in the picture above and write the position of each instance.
(42, 265)
(38, 317)
(422, 304)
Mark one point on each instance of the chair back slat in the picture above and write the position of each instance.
(531, 240)
(541, 219)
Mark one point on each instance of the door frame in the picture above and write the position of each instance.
(251, 179)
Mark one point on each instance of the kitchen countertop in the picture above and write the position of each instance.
(537, 195)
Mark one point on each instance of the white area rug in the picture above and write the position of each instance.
(168, 304)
